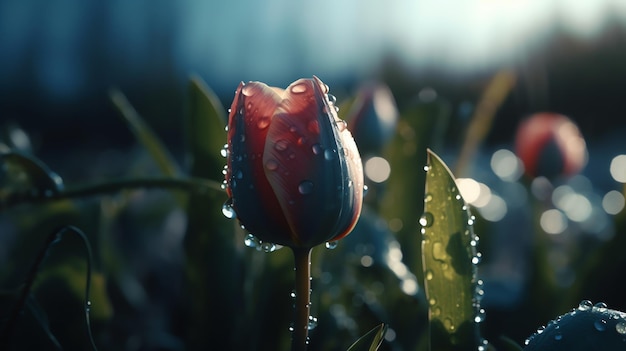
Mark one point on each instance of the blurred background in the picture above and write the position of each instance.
(59, 59)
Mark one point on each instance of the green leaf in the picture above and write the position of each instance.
(371, 341)
(448, 248)
(211, 244)
(205, 131)
(146, 136)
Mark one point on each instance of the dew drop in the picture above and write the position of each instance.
(227, 209)
(293, 294)
(251, 241)
(365, 189)
(341, 125)
(330, 154)
(585, 305)
(447, 322)
(247, 90)
(281, 145)
(312, 323)
(558, 336)
(226, 126)
(620, 327)
(224, 185)
(268, 247)
(600, 325)
(439, 253)
(331, 98)
(291, 328)
(317, 149)
(426, 168)
(436, 311)
(426, 220)
(224, 150)
(600, 306)
(331, 245)
(263, 122)
(429, 275)
(305, 187)
(271, 165)
(299, 88)
(249, 106)
(428, 197)
(480, 316)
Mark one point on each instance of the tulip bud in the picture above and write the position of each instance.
(294, 174)
(550, 145)
(373, 118)
(586, 327)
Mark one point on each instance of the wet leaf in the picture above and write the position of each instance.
(371, 341)
(205, 131)
(146, 136)
(447, 253)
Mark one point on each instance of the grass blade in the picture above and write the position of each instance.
(371, 341)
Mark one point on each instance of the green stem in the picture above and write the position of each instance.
(185, 184)
(302, 260)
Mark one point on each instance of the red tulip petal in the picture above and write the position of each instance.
(253, 198)
(306, 166)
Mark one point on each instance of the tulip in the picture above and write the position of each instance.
(550, 144)
(294, 174)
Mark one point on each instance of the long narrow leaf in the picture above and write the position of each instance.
(371, 341)
(449, 254)
(146, 136)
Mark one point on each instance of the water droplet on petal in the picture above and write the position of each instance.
(331, 98)
(268, 247)
(439, 252)
(247, 90)
(227, 209)
(330, 154)
(585, 305)
(331, 245)
(263, 122)
(299, 88)
(271, 165)
(224, 150)
(252, 241)
(317, 149)
(600, 325)
(427, 219)
(341, 125)
(620, 327)
(600, 306)
(305, 187)
(281, 145)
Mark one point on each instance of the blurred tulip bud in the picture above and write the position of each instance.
(294, 173)
(550, 145)
(373, 118)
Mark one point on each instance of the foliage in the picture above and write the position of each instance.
(170, 272)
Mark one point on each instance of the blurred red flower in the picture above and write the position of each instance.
(550, 145)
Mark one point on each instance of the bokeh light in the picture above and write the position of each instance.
(506, 165)
(377, 169)
(618, 168)
(553, 221)
(613, 202)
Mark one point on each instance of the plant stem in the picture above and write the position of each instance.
(185, 184)
(302, 260)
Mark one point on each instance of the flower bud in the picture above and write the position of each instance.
(550, 145)
(294, 173)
